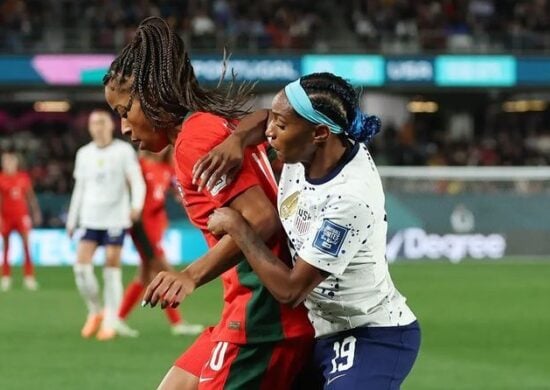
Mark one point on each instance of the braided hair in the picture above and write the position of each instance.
(337, 99)
(164, 80)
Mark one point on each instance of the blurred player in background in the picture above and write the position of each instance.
(147, 235)
(258, 342)
(106, 173)
(331, 205)
(17, 197)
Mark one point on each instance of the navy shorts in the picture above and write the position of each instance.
(104, 237)
(368, 357)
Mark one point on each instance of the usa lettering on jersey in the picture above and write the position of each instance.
(303, 221)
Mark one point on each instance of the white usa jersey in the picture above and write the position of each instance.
(338, 224)
(101, 198)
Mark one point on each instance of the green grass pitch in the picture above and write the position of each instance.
(485, 326)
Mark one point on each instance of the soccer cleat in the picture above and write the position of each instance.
(5, 283)
(122, 329)
(93, 322)
(105, 334)
(185, 329)
(29, 282)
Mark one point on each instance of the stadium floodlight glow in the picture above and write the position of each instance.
(524, 105)
(52, 106)
(422, 107)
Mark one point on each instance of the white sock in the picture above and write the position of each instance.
(86, 282)
(112, 295)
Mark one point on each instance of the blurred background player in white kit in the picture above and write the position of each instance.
(108, 197)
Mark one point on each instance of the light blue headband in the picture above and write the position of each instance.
(302, 105)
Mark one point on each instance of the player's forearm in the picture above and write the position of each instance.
(33, 204)
(226, 253)
(220, 258)
(74, 207)
(272, 271)
(137, 190)
(251, 129)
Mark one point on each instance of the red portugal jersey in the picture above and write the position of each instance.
(14, 189)
(158, 177)
(250, 313)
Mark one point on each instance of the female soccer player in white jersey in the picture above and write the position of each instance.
(104, 206)
(331, 205)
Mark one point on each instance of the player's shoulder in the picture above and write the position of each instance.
(204, 129)
(199, 133)
(24, 175)
(122, 145)
(86, 148)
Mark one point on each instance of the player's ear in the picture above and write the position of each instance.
(321, 134)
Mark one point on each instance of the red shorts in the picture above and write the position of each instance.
(270, 365)
(147, 237)
(21, 224)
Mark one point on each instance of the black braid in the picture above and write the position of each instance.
(331, 95)
(164, 80)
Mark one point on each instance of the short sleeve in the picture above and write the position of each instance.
(131, 163)
(340, 230)
(224, 192)
(200, 135)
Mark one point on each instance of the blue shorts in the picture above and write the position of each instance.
(368, 357)
(104, 237)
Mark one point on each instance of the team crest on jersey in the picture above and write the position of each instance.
(330, 238)
(220, 185)
(179, 188)
(302, 221)
(289, 205)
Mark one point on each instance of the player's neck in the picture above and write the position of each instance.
(102, 145)
(173, 134)
(325, 159)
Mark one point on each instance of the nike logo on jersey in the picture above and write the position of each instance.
(334, 378)
(201, 379)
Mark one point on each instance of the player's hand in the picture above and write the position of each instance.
(169, 288)
(222, 220)
(70, 231)
(135, 215)
(225, 159)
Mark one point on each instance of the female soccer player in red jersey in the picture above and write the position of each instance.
(16, 197)
(258, 343)
(147, 235)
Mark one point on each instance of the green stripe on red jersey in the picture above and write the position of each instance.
(248, 369)
(263, 312)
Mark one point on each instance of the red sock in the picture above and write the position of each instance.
(173, 315)
(131, 297)
(6, 269)
(28, 267)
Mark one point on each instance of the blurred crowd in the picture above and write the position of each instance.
(275, 25)
(47, 144)
(48, 141)
(488, 138)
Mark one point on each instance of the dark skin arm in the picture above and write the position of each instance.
(227, 157)
(35, 208)
(172, 287)
(288, 286)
